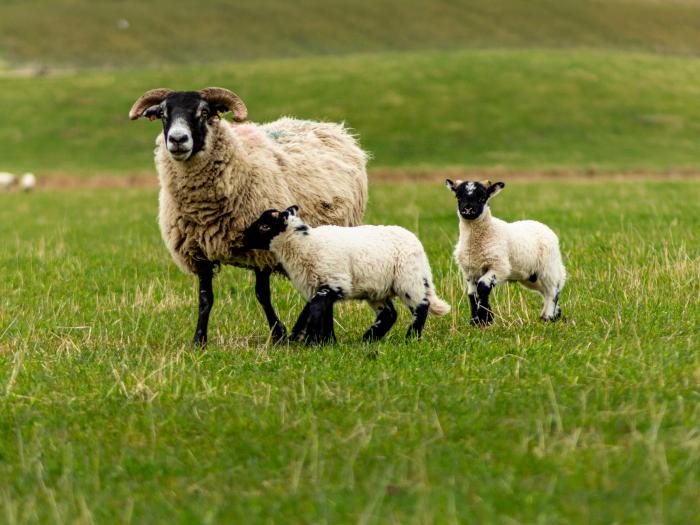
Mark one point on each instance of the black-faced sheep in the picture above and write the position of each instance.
(330, 263)
(216, 178)
(491, 251)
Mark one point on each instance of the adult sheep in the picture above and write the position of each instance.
(216, 178)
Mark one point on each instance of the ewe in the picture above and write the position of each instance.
(216, 178)
(491, 251)
(330, 263)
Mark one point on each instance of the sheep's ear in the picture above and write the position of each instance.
(222, 100)
(495, 188)
(293, 210)
(146, 102)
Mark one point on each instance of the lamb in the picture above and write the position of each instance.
(217, 177)
(330, 263)
(491, 251)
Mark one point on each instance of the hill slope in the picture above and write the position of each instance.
(520, 109)
(86, 33)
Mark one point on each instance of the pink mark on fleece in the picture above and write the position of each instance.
(249, 133)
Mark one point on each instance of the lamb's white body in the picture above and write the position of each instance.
(492, 251)
(373, 263)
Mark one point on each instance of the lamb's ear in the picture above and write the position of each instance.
(495, 188)
(452, 185)
(293, 210)
(222, 100)
(148, 104)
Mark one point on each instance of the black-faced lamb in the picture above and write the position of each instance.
(491, 251)
(330, 263)
(216, 178)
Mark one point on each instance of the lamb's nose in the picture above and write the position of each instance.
(178, 137)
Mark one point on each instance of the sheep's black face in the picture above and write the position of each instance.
(473, 197)
(270, 224)
(185, 115)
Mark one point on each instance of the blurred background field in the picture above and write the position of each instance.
(109, 415)
(544, 85)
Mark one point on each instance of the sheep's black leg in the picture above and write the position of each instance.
(301, 325)
(420, 314)
(205, 273)
(484, 312)
(386, 317)
(262, 292)
(319, 328)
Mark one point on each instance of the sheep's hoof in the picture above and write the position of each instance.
(199, 341)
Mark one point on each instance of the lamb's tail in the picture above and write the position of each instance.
(437, 305)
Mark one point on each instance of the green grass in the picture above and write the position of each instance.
(83, 33)
(108, 416)
(479, 109)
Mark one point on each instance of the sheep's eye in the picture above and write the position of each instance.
(205, 114)
(264, 228)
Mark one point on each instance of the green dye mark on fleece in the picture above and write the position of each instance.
(276, 134)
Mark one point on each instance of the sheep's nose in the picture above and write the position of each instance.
(178, 137)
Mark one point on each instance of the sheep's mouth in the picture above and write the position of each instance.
(179, 153)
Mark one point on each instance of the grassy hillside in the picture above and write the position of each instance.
(108, 416)
(87, 33)
(521, 109)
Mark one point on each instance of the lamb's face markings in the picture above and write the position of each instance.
(471, 199)
(185, 118)
(259, 234)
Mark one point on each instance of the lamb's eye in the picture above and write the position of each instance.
(205, 114)
(264, 228)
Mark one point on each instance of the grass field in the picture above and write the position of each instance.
(85, 33)
(107, 415)
(528, 109)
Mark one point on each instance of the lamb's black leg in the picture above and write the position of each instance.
(420, 314)
(262, 292)
(319, 328)
(205, 273)
(473, 303)
(300, 326)
(484, 312)
(386, 317)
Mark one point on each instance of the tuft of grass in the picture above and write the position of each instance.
(129, 32)
(107, 415)
(478, 109)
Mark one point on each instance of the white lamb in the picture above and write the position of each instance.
(329, 263)
(491, 251)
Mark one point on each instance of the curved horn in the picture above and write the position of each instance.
(148, 99)
(226, 98)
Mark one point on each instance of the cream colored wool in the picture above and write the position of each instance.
(373, 263)
(207, 201)
(494, 251)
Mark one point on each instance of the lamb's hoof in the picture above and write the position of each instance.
(199, 341)
(278, 334)
(484, 319)
(551, 318)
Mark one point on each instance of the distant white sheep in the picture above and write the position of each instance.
(7, 180)
(491, 251)
(330, 263)
(28, 182)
